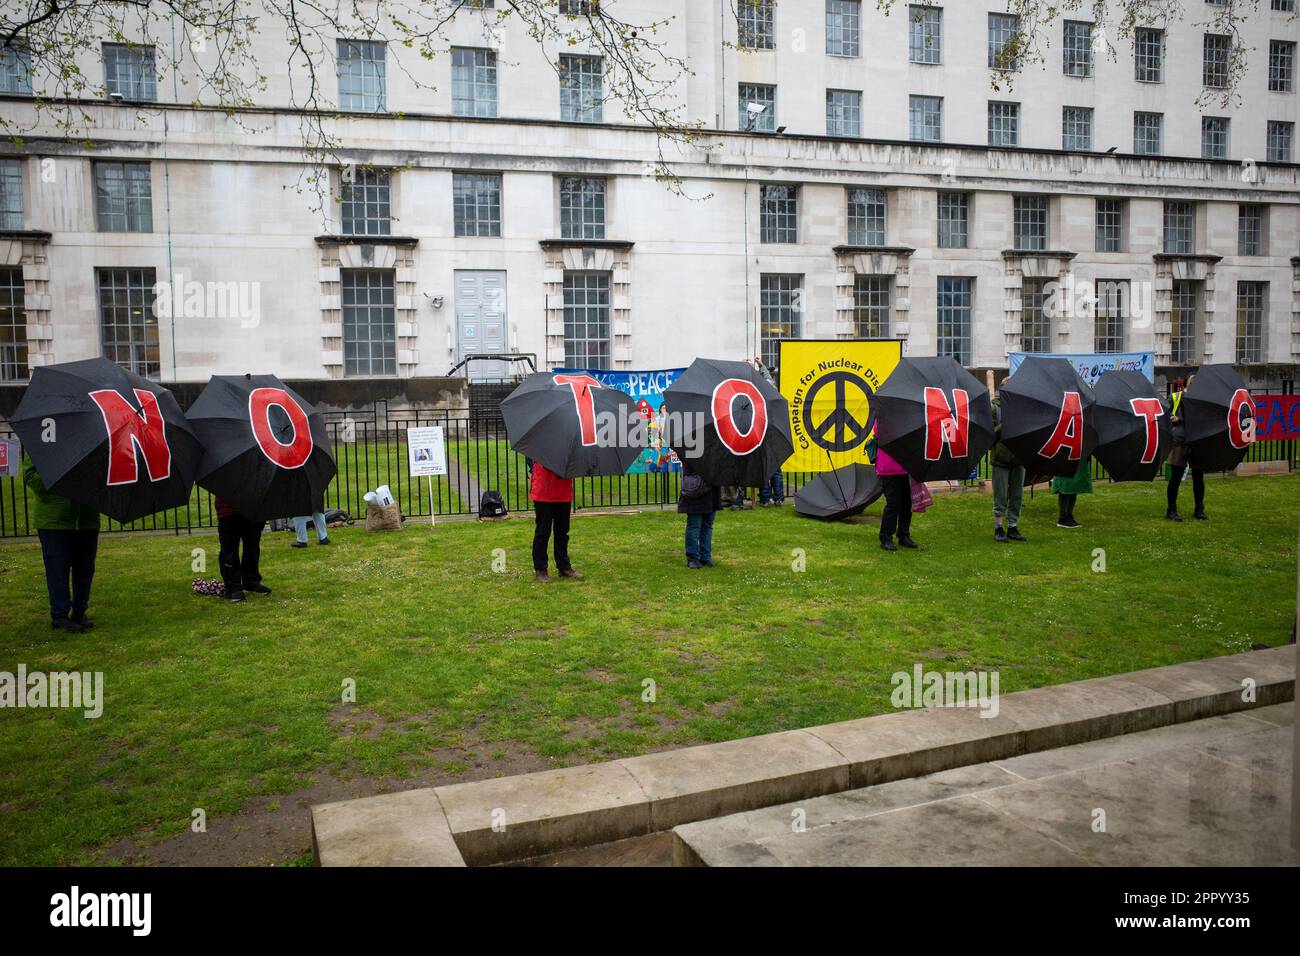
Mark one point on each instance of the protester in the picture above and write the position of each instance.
(733, 497)
(553, 505)
(700, 502)
(1068, 491)
(1178, 460)
(300, 529)
(239, 573)
(1008, 485)
(772, 491)
(69, 536)
(898, 502)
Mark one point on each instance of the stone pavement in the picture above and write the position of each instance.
(1210, 792)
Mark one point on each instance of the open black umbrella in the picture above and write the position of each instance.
(1218, 415)
(573, 425)
(1047, 417)
(934, 418)
(106, 438)
(1133, 432)
(842, 493)
(265, 449)
(729, 422)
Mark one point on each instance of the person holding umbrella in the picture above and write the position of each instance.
(1178, 461)
(1067, 491)
(239, 573)
(1008, 485)
(69, 536)
(897, 515)
(553, 505)
(700, 502)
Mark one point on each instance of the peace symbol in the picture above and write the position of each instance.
(839, 431)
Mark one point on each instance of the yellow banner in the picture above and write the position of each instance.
(829, 384)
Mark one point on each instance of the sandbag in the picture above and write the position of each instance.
(385, 518)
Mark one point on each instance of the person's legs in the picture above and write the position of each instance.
(1171, 493)
(322, 529)
(57, 553)
(1198, 492)
(706, 538)
(1015, 494)
(300, 530)
(778, 488)
(543, 510)
(228, 534)
(83, 572)
(765, 492)
(893, 506)
(694, 524)
(1001, 478)
(250, 570)
(563, 511)
(905, 511)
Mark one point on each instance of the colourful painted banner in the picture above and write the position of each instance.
(1090, 366)
(1277, 417)
(647, 390)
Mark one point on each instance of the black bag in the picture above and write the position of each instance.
(337, 514)
(693, 486)
(492, 505)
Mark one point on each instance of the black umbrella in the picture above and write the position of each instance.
(934, 418)
(1218, 415)
(1047, 417)
(838, 494)
(729, 422)
(265, 449)
(573, 425)
(106, 438)
(1133, 430)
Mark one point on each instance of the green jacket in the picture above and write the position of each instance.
(1002, 455)
(1080, 484)
(52, 512)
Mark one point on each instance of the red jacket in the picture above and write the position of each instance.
(548, 486)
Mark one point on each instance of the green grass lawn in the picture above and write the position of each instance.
(209, 704)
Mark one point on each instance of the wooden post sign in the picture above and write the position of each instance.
(427, 456)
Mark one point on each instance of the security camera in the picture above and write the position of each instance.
(435, 299)
(753, 109)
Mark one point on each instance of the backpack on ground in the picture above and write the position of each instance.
(492, 505)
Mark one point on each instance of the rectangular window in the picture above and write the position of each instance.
(871, 296)
(757, 94)
(1214, 137)
(1077, 49)
(754, 24)
(925, 34)
(473, 82)
(1217, 51)
(866, 217)
(780, 314)
(1252, 306)
(1076, 127)
(13, 326)
(577, 8)
(129, 72)
(362, 76)
(1110, 225)
(476, 198)
(1035, 324)
(1149, 55)
(364, 202)
(1180, 228)
(1031, 223)
(369, 322)
(955, 296)
(1285, 6)
(843, 113)
(1004, 123)
(16, 72)
(1148, 133)
(1281, 66)
(926, 114)
(1111, 316)
(582, 207)
(1003, 46)
(128, 325)
(844, 27)
(954, 220)
(779, 216)
(1280, 136)
(11, 193)
(1250, 229)
(123, 197)
(587, 339)
(582, 89)
(1184, 323)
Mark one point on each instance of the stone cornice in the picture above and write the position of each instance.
(26, 235)
(851, 250)
(585, 243)
(1038, 254)
(1187, 257)
(366, 240)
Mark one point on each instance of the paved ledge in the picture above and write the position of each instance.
(512, 818)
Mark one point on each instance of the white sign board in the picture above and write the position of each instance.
(426, 452)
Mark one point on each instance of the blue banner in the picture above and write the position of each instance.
(647, 390)
(1091, 366)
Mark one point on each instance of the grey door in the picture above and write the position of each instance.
(481, 321)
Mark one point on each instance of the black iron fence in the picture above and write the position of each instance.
(370, 448)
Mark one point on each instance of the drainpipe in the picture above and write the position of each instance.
(167, 193)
